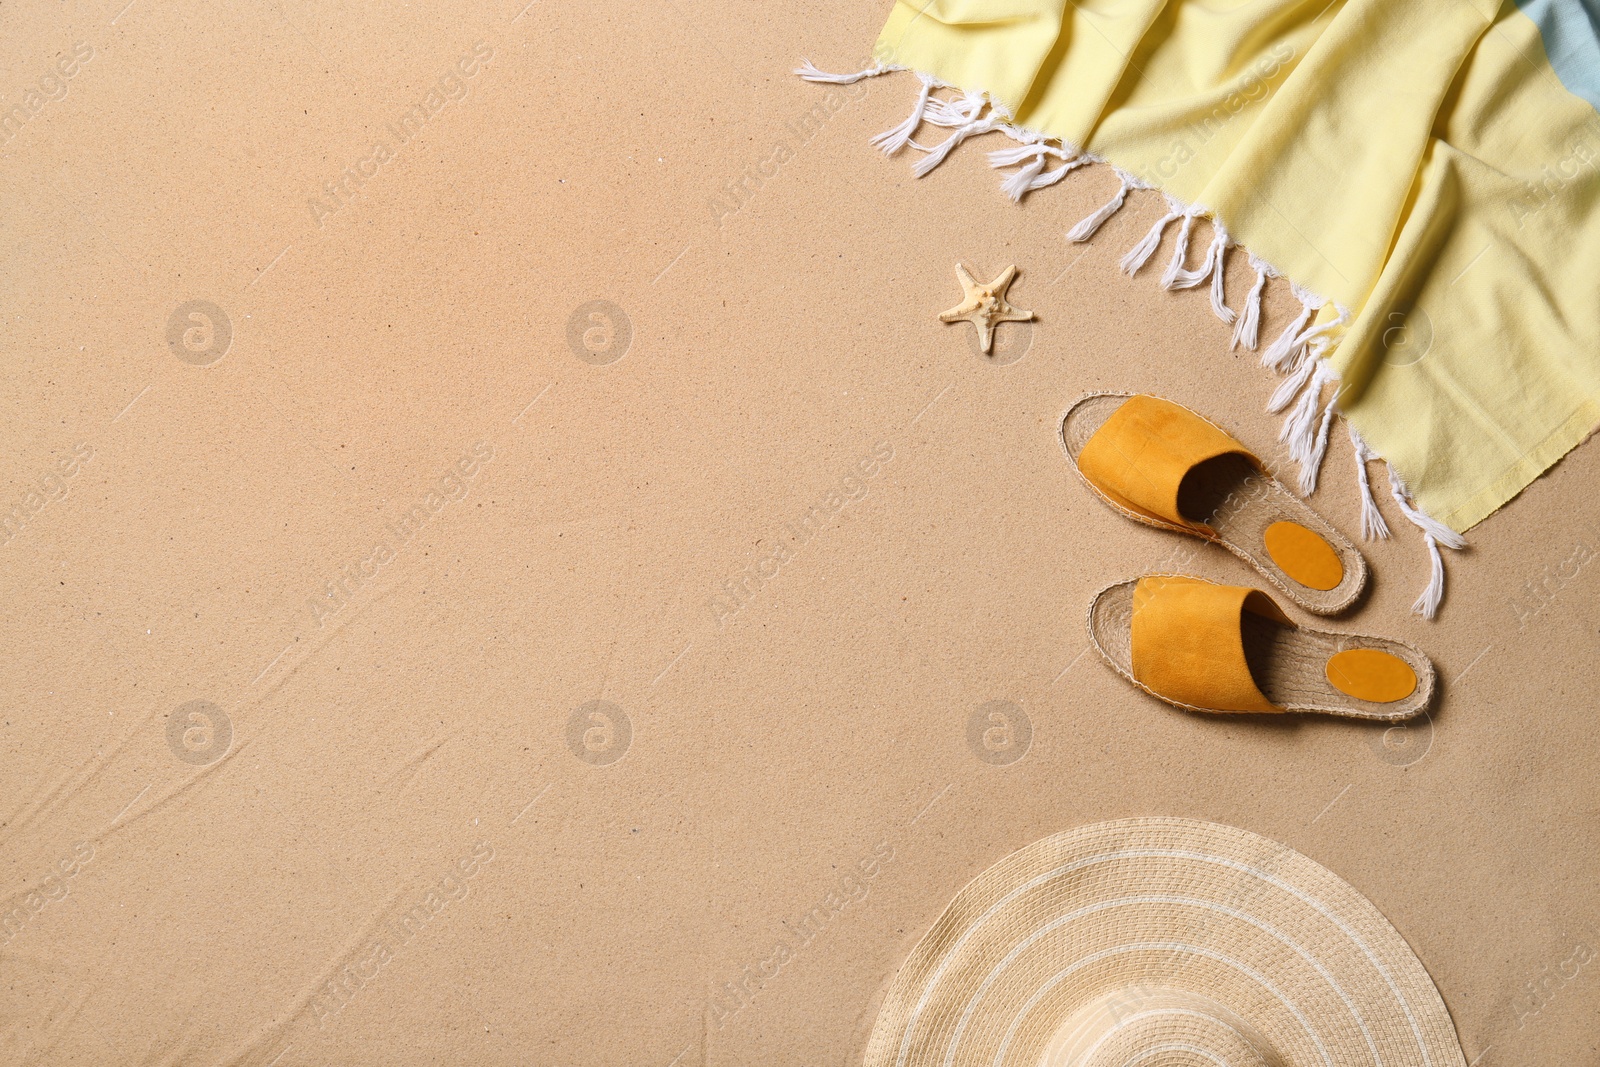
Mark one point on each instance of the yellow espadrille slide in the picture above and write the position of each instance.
(1226, 648)
(1161, 464)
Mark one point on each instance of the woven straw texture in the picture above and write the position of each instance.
(1161, 941)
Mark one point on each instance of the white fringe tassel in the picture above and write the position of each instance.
(1183, 277)
(1030, 177)
(1140, 253)
(897, 137)
(1290, 388)
(1244, 331)
(1219, 254)
(1305, 432)
(1283, 353)
(1087, 227)
(810, 73)
(1169, 277)
(1301, 430)
(1316, 340)
(966, 118)
(1313, 468)
(1210, 267)
(1435, 533)
(1373, 527)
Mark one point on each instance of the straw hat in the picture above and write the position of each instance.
(1160, 942)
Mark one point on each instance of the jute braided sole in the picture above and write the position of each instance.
(1289, 665)
(1240, 501)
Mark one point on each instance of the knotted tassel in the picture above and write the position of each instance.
(1211, 266)
(1029, 177)
(897, 137)
(1319, 338)
(1055, 174)
(1244, 331)
(1183, 277)
(1306, 434)
(951, 113)
(970, 110)
(1373, 527)
(1017, 184)
(811, 74)
(1427, 604)
(1086, 227)
(1313, 468)
(1291, 386)
(1140, 253)
(1435, 533)
(1169, 277)
(1219, 253)
(1300, 428)
(1280, 354)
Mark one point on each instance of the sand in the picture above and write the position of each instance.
(507, 567)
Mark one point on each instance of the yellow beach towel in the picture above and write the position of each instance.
(1423, 172)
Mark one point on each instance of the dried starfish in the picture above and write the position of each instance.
(985, 305)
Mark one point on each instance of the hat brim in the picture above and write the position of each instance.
(1176, 939)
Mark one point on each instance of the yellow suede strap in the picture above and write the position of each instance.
(1187, 643)
(1139, 456)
